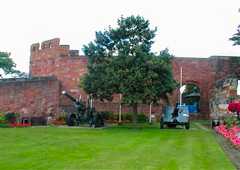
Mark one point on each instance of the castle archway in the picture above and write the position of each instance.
(191, 97)
(198, 74)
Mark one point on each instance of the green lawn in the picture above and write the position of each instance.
(110, 148)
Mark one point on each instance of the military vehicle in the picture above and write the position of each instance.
(175, 116)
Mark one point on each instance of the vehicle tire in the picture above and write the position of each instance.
(71, 119)
(161, 123)
(215, 123)
(187, 125)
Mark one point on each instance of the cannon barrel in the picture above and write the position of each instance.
(70, 97)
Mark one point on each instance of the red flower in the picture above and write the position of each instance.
(230, 134)
(20, 124)
(234, 107)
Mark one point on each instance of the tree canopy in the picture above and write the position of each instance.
(236, 37)
(7, 65)
(120, 61)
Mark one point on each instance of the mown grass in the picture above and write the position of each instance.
(124, 147)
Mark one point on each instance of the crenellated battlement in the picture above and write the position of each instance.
(63, 50)
(54, 59)
(53, 43)
(35, 47)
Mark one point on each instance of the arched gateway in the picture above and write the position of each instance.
(202, 72)
(196, 71)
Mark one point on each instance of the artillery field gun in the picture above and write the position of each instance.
(85, 114)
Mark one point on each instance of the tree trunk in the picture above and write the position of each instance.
(135, 112)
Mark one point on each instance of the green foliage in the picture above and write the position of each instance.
(121, 61)
(191, 89)
(2, 118)
(142, 118)
(11, 117)
(8, 66)
(108, 115)
(6, 63)
(4, 125)
(127, 116)
(236, 37)
(230, 120)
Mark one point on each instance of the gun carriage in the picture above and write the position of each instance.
(85, 113)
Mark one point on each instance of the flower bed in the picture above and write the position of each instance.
(11, 120)
(232, 134)
(20, 124)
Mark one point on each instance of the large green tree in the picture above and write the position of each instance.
(120, 61)
(7, 65)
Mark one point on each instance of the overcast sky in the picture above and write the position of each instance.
(189, 28)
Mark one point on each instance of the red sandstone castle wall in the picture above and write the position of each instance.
(35, 97)
(53, 59)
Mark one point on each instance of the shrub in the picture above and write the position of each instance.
(127, 116)
(229, 121)
(2, 118)
(107, 115)
(142, 118)
(11, 117)
(4, 125)
(110, 116)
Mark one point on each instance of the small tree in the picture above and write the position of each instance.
(235, 62)
(121, 61)
(236, 37)
(7, 65)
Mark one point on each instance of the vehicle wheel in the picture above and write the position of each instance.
(215, 123)
(187, 125)
(71, 119)
(161, 123)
